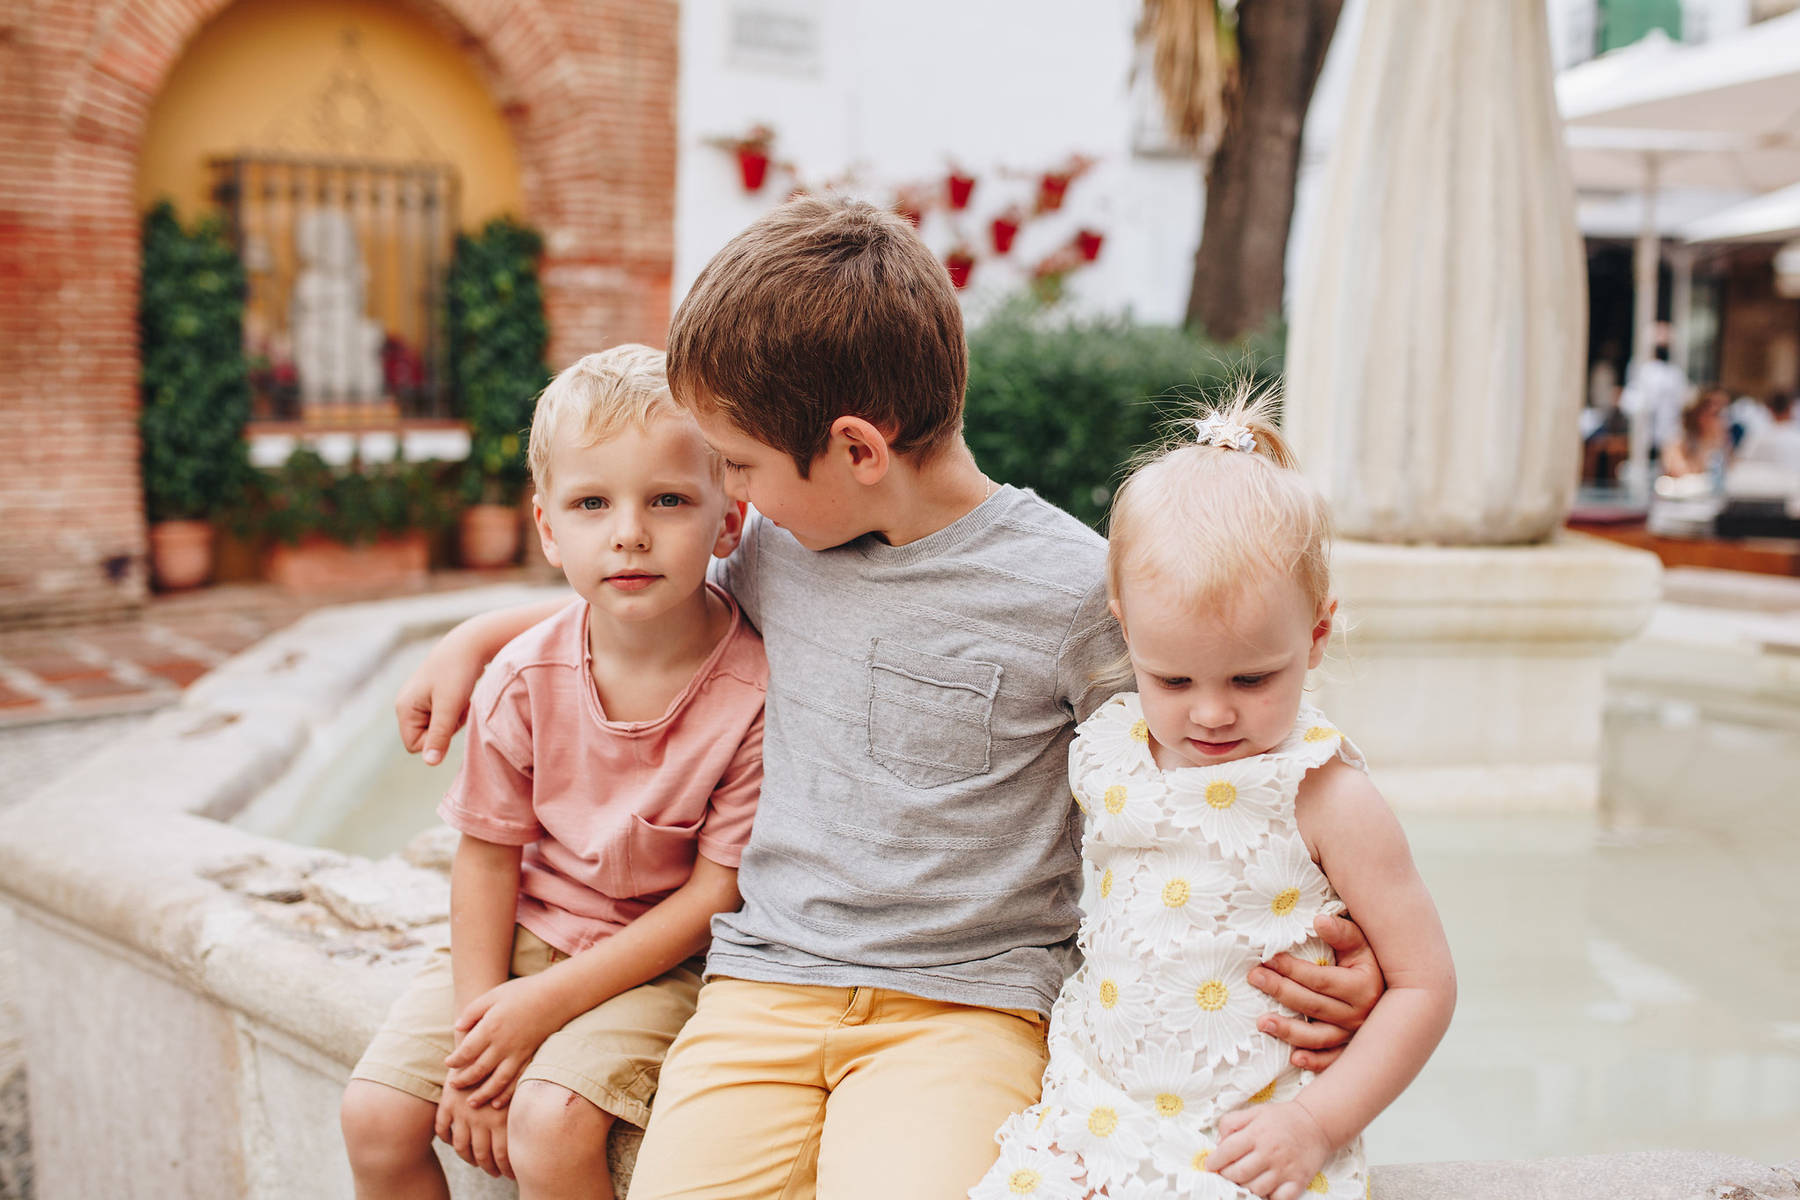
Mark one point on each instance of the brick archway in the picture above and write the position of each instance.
(588, 88)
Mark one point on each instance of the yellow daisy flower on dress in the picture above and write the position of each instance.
(1115, 740)
(1118, 1004)
(1122, 810)
(1028, 1172)
(1179, 890)
(1207, 992)
(1181, 1153)
(1283, 890)
(1110, 1133)
(1166, 1081)
(1264, 1075)
(1343, 1177)
(1230, 805)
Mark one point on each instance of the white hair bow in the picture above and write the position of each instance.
(1217, 431)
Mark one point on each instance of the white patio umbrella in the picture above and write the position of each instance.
(1724, 114)
(1774, 217)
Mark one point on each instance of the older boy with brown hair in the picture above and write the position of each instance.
(876, 1008)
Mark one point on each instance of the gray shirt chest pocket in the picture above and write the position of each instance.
(930, 717)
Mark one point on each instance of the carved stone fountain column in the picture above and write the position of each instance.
(1435, 370)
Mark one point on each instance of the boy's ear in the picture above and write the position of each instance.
(865, 446)
(545, 537)
(731, 529)
(1321, 633)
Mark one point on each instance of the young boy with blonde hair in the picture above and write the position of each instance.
(877, 1007)
(612, 768)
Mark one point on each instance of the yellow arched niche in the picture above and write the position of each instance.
(249, 78)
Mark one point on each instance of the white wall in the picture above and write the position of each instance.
(1004, 88)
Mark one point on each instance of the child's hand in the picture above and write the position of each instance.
(502, 1028)
(1337, 999)
(477, 1134)
(434, 700)
(1275, 1150)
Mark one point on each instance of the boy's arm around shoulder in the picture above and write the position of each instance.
(1363, 852)
(434, 700)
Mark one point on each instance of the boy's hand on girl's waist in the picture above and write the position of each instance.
(1274, 1150)
(1332, 1001)
(501, 1029)
(477, 1134)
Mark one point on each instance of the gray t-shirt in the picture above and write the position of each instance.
(916, 830)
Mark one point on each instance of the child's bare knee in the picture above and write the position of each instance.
(384, 1129)
(550, 1128)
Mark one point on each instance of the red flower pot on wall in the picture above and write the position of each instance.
(959, 263)
(1087, 241)
(1004, 230)
(753, 165)
(960, 186)
(1051, 190)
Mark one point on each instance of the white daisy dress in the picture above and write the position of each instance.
(1196, 875)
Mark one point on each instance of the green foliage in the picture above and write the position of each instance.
(307, 495)
(195, 387)
(1060, 405)
(497, 339)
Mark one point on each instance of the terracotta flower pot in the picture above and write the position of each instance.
(960, 186)
(1051, 190)
(959, 266)
(753, 165)
(1004, 230)
(319, 564)
(912, 212)
(1087, 241)
(488, 535)
(181, 553)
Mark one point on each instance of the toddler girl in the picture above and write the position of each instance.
(1224, 815)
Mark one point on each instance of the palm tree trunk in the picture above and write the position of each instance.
(1239, 271)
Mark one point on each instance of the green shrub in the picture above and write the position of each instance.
(1060, 405)
(307, 496)
(194, 380)
(498, 335)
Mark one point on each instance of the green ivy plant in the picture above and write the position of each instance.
(498, 335)
(1060, 405)
(194, 380)
(307, 496)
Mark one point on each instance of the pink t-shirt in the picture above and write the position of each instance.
(610, 813)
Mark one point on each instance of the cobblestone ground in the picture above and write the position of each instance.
(70, 691)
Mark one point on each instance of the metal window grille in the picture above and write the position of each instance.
(346, 260)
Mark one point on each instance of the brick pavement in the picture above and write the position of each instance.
(143, 662)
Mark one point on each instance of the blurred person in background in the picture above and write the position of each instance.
(1779, 443)
(1702, 441)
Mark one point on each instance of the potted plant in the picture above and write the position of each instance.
(194, 390)
(1053, 185)
(959, 187)
(498, 335)
(910, 203)
(356, 527)
(752, 152)
(1005, 228)
(959, 262)
(1087, 243)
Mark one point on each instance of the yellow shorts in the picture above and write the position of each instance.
(610, 1055)
(787, 1091)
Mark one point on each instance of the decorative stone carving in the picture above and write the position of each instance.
(1435, 364)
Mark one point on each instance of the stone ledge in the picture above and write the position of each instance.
(1654, 1175)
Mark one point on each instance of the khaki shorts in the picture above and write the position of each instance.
(782, 1091)
(610, 1055)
